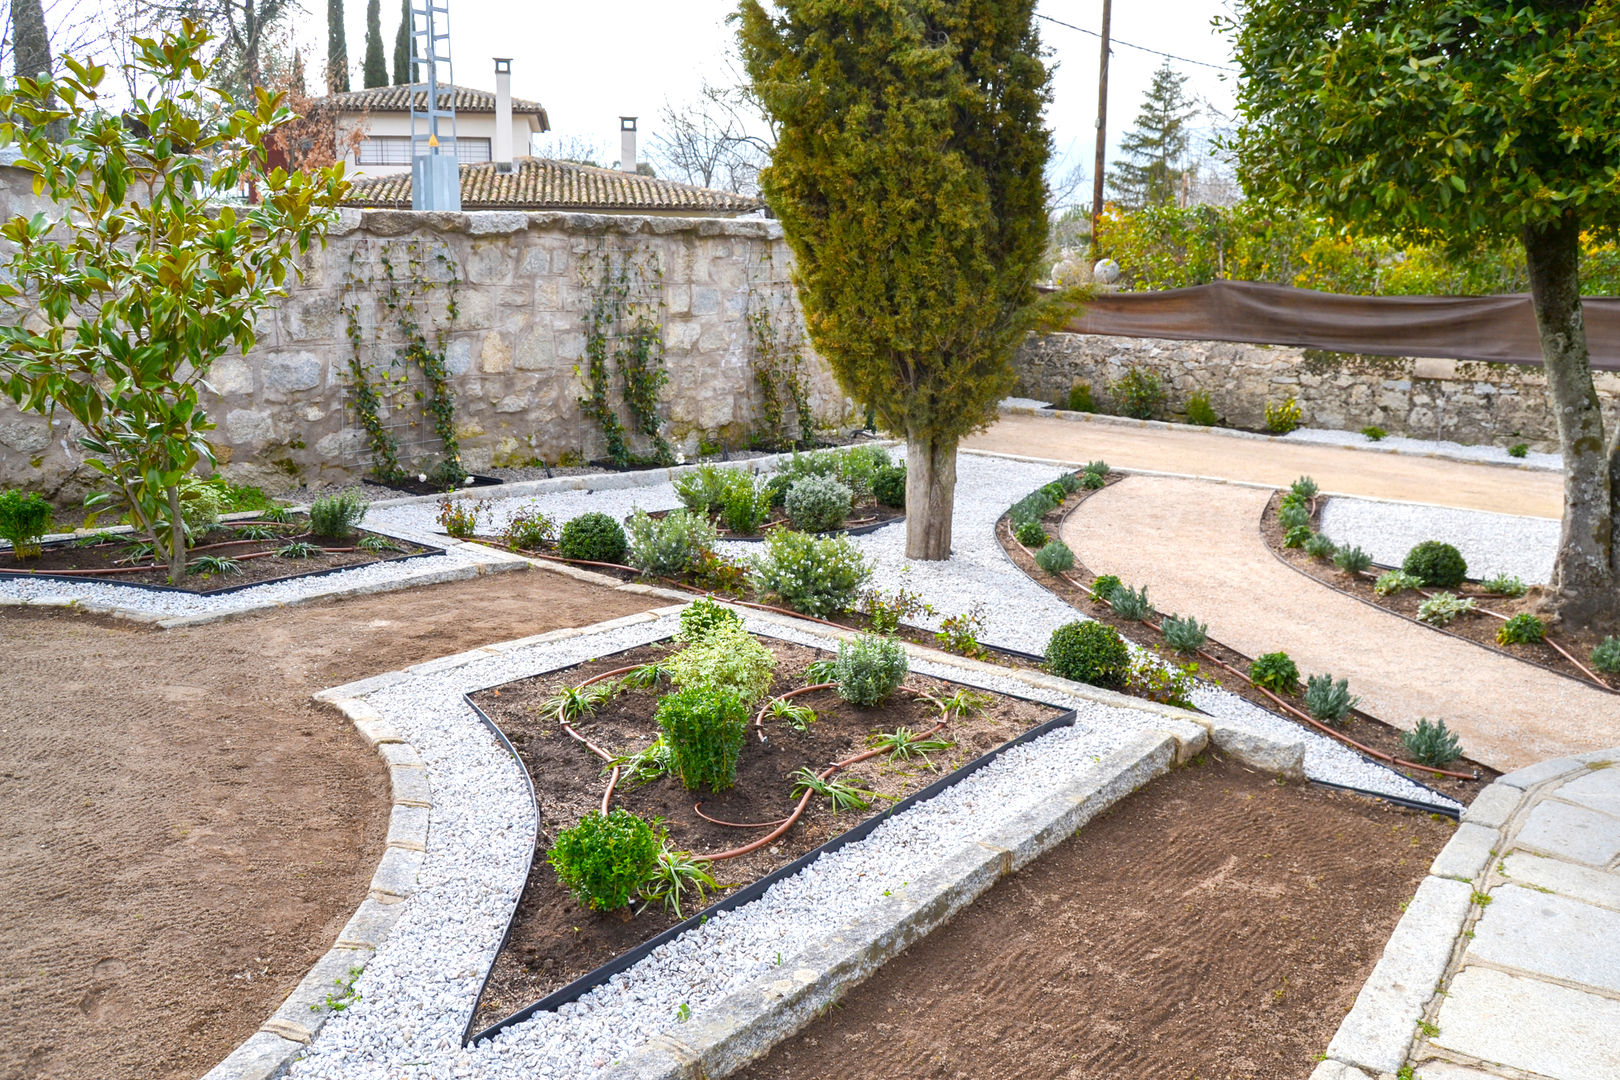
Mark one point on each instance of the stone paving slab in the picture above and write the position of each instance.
(1550, 935)
(1591, 886)
(1522, 1023)
(1598, 791)
(1572, 832)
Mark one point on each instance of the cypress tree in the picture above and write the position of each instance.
(404, 47)
(337, 50)
(30, 41)
(376, 66)
(1157, 146)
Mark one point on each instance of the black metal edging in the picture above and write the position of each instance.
(1451, 812)
(591, 980)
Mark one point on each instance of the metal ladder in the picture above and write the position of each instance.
(435, 168)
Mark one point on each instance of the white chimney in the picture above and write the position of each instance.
(627, 143)
(502, 146)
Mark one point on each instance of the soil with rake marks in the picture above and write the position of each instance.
(1213, 925)
(555, 939)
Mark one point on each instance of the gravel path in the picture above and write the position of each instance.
(1492, 543)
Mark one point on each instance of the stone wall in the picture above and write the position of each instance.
(285, 411)
(1463, 401)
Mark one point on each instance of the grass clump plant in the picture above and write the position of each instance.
(818, 503)
(1055, 557)
(1352, 560)
(1184, 633)
(1328, 701)
(1088, 652)
(1504, 585)
(298, 549)
(1374, 433)
(869, 669)
(1431, 744)
(1523, 629)
(669, 545)
(1606, 655)
(1031, 535)
(727, 657)
(605, 859)
(25, 518)
(1436, 564)
(1129, 603)
(593, 537)
(1200, 411)
(1275, 671)
(1443, 608)
(1320, 546)
(676, 875)
(819, 576)
(1391, 582)
(705, 726)
(842, 794)
(337, 516)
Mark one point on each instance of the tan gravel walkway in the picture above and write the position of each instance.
(1349, 472)
(1196, 545)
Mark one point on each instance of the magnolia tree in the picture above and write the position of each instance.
(908, 175)
(1452, 121)
(140, 277)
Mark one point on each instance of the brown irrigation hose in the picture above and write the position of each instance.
(698, 810)
(759, 718)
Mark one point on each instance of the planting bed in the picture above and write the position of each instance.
(416, 485)
(1479, 626)
(863, 518)
(1213, 924)
(555, 940)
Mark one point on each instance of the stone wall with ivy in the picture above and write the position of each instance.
(422, 341)
(1464, 401)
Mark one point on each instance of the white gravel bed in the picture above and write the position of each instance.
(1491, 543)
(1444, 448)
(417, 992)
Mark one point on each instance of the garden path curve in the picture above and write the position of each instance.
(1196, 544)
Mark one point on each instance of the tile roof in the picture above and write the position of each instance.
(398, 99)
(544, 184)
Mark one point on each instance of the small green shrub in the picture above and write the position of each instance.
(1519, 450)
(859, 468)
(1504, 585)
(1137, 394)
(1283, 416)
(884, 611)
(1100, 467)
(201, 504)
(1184, 633)
(1436, 564)
(1431, 744)
(669, 545)
(1374, 433)
(1093, 481)
(594, 537)
(1168, 684)
(777, 487)
(298, 549)
(1055, 557)
(1352, 560)
(529, 530)
(458, 517)
(1032, 507)
(1080, 398)
(1328, 701)
(1320, 546)
(1276, 672)
(1442, 608)
(25, 518)
(818, 503)
(1523, 629)
(815, 575)
(1606, 655)
(1391, 582)
(1031, 535)
(1129, 603)
(1200, 411)
(889, 487)
(1304, 488)
(1069, 482)
(960, 633)
(1297, 536)
(705, 726)
(728, 657)
(604, 860)
(1292, 516)
(337, 516)
(1104, 587)
(703, 617)
(746, 507)
(704, 488)
(869, 669)
(1088, 652)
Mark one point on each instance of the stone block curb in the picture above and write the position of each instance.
(1528, 777)
(1467, 855)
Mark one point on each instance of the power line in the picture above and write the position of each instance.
(1140, 48)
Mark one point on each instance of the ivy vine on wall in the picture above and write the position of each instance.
(778, 361)
(625, 324)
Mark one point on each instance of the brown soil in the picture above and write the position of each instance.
(256, 559)
(184, 831)
(865, 515)
(555, 940)
(1363, 727)
(1476, 626)
(1214, 925)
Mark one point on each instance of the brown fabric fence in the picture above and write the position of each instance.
(1492, 328)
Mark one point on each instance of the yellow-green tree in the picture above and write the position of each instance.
(908, 176)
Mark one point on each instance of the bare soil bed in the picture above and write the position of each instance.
(1214, 925)
(255, 560)
(184, 830)
(555, 940)
(1362, 727)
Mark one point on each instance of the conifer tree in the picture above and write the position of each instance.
(30, 40)
(376, 66)
(1157, 146)
(404, 47)
(337, 50)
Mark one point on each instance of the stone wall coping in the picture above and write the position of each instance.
(497, 222)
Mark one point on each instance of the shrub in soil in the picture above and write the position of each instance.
(594, 537)
(1081, 399)
(1031, 535)
(960, 633)
(1088, 652)
(1055, 557)
(1304, 487)
(1504, 585)
(889, 487)
(885, 610)
(1374, 433)
(1391, 582)
(1319, 546)
(1070, 482)
(1292, 516)
(869, 669)
(777, 487)
(1519, 450)
(337, 516)
(1443, 607)
(1092, 481)
(704, 488)
(1103, 588)
(1437, 564)
(860, 466)
(1137, 394)
(1296, 537)
(727, 657)
(1184, 633)
(746, 507)
(529, 530)
(1283, 416)
(458, 517)
(669, 545)
(1100, 467)
(1167, 684)
(816, 575)
(1032, 507)
(818, 503)
(1352, 560)
(1606, 655)
(703, 617)
(1431, 744)
(1129, 603)
(1328, 701)
(605, 859)
(25, 518)
(1200, 411)
(705, 726)
(1523, 629)
(1275, 671)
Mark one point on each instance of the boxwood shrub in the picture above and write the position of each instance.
(594, 537)
(1088, 652)
(1436, 564)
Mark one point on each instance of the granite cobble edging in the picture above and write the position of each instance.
(1507, 961)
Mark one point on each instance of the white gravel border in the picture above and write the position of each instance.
(1524, 547)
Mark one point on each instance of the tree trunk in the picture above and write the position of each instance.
(30, 40)
(930, 496)
(177, 539)
(1586, 575)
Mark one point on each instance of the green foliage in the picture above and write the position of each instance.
(960, 633)
(1055, 557)
(1391, 582)
(869, 669)
(625, 321)
(404, 47)
(458, 517)
(25, 518)
(124, 293)
(818, 503)
(1374, 433)
(1352, 560)
(884, 611)
(903, 744)
(1431, 743)
(1328, 701)
(1436, 564)
(1519, 450)
(1606, 655)
(1523, 629)
(1298, 536)
(571, 704)
(337, 516)
(210, 565)
(746, 506)
(240, 497)
(677, 876)
(669, 545)
(1092, 481)
(798, 717)
(859, 467)
(705, 726)
(1443, 608)
(1304, 488)
(1184, 633)
(1200, 411)
(1032, 507)
(1138, 394)
(1088, 652)
(1283, 416)
(1292, 516)
(777, 361)
(375, 68)
(704, 489)
(703, 617)
(1504, 585)
(1031, 535)
(377, 545)
(1157, 146)
(298, 549)
(1080, 399)
(727, 657)
(1129, 603)
(604, 860)
(1320, 546)
(1103, 588)
(1167, 684)
(1276, 672)
(842, 794)
(889, 487)
(529, 530)
(820, 671)
(337, 50)
(594, 537)
(819, 576)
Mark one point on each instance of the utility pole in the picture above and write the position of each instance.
(1102, 131)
